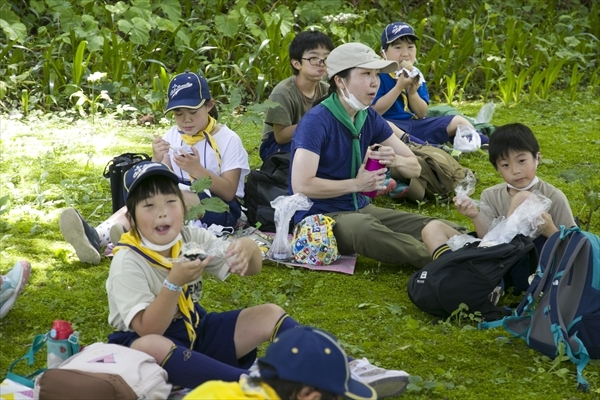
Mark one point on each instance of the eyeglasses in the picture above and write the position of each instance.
(315, 61)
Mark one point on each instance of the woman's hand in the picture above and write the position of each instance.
(384, 154)
(368, 181)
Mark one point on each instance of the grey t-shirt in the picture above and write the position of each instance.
(293, 104)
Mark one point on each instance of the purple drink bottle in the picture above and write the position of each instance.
(373, 165)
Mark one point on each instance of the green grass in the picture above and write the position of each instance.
(49, 162)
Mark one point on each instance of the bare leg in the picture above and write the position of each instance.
(436, 233)
(254, 326)
(453, 125)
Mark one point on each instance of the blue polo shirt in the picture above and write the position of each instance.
(321, 133)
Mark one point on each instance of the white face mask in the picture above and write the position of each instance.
(351, 100)
(158, 247)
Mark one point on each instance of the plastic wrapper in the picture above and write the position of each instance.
(413, 72)
(484, 116)
(285, 208)
(465, 188)
(192, 251)
(466, 139)
(458, 241)
(526, 220)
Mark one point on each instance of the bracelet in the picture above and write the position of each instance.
(171, 286)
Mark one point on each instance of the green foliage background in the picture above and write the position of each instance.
(538, 60)
(511, 50)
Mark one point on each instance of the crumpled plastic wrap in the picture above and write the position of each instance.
(459, 241)
(526, 220)
(465, 188)
(191, 250)
(411, 73)
(484, 116)
(285, 208)
(466, 139)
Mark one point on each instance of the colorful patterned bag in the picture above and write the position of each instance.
(314, 242)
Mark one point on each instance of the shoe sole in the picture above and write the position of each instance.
(24, 278)
(72, 230)
(116, 231)
(389, 387)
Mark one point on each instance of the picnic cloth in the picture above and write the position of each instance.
(345, 264)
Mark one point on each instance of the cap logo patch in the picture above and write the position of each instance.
(141, 169)
(177, 88)
(398, 28)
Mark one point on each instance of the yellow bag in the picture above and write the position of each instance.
(313, 242)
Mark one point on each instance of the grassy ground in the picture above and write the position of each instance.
(49, 162)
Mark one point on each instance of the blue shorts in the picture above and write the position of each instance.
(214, 337)
(270, 146)
(431, 130)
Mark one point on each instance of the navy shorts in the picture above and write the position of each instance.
(431, 130)
(214, 337)
(270, 146)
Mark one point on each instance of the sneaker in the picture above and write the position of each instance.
(390, 184)
(495, 295)
(400, 191)
(115, 233)
(387, 383)
(12, 284)
(81, 236)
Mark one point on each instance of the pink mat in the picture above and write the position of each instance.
(345, 264)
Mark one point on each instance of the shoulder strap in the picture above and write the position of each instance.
(38, 343)
(574, 348)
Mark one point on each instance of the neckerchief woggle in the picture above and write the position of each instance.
(205, 133)
(333, 104)
(185, 303)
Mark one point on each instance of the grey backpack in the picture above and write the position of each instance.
(560, 314)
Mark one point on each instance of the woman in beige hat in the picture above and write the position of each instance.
(330, 147)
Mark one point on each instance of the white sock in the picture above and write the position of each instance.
(104, 232)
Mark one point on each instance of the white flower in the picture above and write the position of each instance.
(96, 76)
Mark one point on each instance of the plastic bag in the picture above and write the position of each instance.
(458, 241)
(465, 188)
(526, 220)
(484, 116)
(285, 208)
(467, 139)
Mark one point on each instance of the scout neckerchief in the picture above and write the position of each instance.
(404, 98)
(191, 318)
(334, 105)
(205, 133)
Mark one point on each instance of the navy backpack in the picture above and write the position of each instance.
(562, 304)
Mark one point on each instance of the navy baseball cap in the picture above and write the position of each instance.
(396, 30)
(313, 357)
(145, 169)
(187, 90)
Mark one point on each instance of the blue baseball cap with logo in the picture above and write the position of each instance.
(396, 30)
(143, 170)
(315, 358)
(187, 90)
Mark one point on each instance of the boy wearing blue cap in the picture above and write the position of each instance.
(403, 98)
(302, 363)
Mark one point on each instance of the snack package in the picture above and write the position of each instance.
(285, 208)
(526, 220)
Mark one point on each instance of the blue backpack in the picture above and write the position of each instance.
(562, 304)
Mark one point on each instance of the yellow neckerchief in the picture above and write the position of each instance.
(205, 133)
(191, 318)
(404, 98)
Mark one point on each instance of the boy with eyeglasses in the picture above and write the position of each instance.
(296, 94)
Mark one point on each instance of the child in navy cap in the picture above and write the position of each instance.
(302, 363)
(196, 147)
(403, 98)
